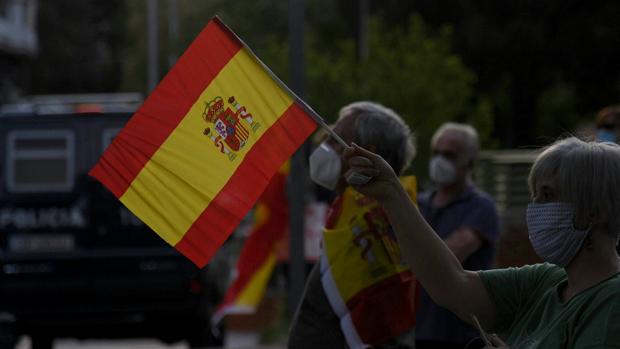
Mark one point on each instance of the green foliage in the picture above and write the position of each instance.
(556, 110)
(418, 76)
(539, 73)
(409, 68)
(257, 31)
(79, 47)
(545, 64)
(134, 64)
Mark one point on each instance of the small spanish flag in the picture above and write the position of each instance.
(196, 156)
(258, 256)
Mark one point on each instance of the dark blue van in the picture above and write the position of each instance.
(74, 262)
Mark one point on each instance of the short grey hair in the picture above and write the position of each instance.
(380, 126)
(587, 176)
(469, 134)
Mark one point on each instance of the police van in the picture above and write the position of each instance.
(74, 262)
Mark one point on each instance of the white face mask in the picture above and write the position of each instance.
(442, 171)
(552, 233)
(325, 166)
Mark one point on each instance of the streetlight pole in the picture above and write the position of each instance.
(153, 45)
(298, 175)
(173, 32)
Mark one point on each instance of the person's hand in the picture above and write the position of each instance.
(384, 182)
(496, 342)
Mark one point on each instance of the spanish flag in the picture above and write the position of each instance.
(365, 279)
(258, 256)
(195, 157)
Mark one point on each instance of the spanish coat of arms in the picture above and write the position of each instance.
(228, 126)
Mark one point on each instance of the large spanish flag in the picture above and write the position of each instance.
(195, 157)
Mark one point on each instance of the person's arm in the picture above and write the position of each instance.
(463, 243)
(431, 261)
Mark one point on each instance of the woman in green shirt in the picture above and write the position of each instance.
(572, 300)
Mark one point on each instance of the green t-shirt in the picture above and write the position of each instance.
(530, 313)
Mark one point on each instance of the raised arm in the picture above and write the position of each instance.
(432, 262)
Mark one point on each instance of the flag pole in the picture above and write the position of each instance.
(313, 114)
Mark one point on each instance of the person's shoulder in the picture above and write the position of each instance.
(612, 293)
(540, 272)
(615, 280)
(604, 318)
(546, 269)
(611, 287)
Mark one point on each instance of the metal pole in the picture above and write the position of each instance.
(173, 32)
(153, 45)
(298, 176)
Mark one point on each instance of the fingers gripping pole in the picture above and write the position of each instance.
(356, 178)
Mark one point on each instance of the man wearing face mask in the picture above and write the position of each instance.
(465, 218)
(360, 294)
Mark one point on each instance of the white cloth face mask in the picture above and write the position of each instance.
(552, 233)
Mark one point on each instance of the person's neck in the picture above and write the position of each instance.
(592, 265)
(446, 194)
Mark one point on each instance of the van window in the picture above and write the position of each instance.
(40, 161)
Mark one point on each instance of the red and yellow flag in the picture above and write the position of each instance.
(195, 157)
(258, 256)
(365, 279)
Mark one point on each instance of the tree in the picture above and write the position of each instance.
(79, 47)
(530, 54)
(408, 70)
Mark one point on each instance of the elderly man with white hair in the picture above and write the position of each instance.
(465, 218)
(360, 294)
